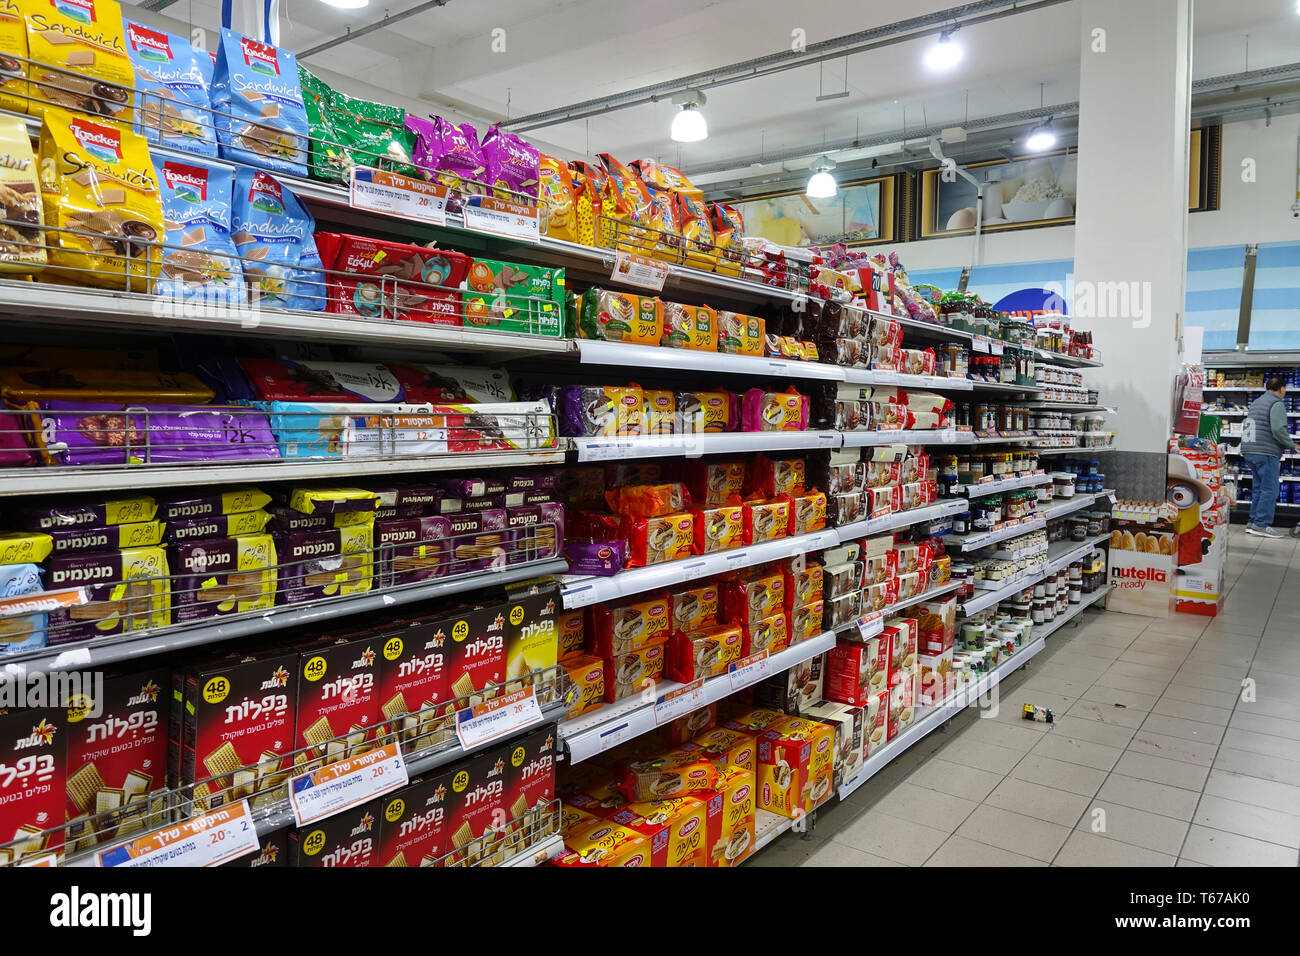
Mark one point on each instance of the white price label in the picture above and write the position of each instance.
(376, 190)
(886, 377)
(497, 718)
(979, 343)
(995, 347)
(640, 271)
(680, 702)
(209, 840)
(749, 670)
(694, 569)
(347, 783)
(870, 625)
(501, 217)
(605, 450)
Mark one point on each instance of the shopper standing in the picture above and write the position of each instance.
(1264, 438)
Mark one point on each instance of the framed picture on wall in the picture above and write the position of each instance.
(860, 213)
(1018, 193)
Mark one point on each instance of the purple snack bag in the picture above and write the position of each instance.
(448, 154)
(479, 540)
(511, 165)
(84, 433)
(538, 531)
(605, 558)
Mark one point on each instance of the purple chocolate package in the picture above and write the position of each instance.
(84, 433)
(423, 497)
(472, 487)
(511, 164)
(596, 557)
(217, 526)
(412, 549)
(323, 564)
(449, 506)
(127, 591)
(538, 530)
(448, 154)
(217, 503)
(219, 576)
(90, 514)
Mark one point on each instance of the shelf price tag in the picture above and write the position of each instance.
(502, 217)
(680, 702)
(497, 718)
(749, 670)
(869, 625)
(210, 840)
(979, 343)
(640, 271)
(346, 783)
(886, 376)
(376, 190)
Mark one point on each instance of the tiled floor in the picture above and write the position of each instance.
(1159, 756)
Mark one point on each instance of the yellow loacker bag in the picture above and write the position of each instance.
(79, 58)
(13, 58)
(102, 205)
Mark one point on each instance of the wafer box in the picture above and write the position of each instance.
(529, 788)
(478, 804)
(350, 838)
(33, 744)
(122, 752)
(338, 698)
(413, 828)
(414, 688)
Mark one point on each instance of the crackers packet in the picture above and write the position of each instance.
(22, 248)
(171, 90)
(199, 260)
(100, 196)
(79, 61)
(257, 98)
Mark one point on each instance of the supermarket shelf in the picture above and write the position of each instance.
(1070, 407)
(1292, 456)
(971, 542)
(1065, 506)
(935, 717)
(1247, 476)
(927, 330)
(1067, 361)
(908, 436)
(1061, 554)
(1245, 505)
(694, 445)
(986, 599)
(1232, 388)
(1072, 449)
(1004, 484)
(180, 637)
(1003, 387)
(138, 310)
(92, 479)
(767, 827)
(582, 590)
(901, 519)
(552, 845)
(609, 725)
(869, 376)
(619, 355)
(1046, 630)
(1004, 439)
(897, 606)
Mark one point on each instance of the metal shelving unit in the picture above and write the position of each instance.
(695, 445)
(897, 606)
(972, 542)
(611, 724)
(1047, 630)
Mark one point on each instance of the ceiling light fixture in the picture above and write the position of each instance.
(821, 184)
(689, 125)
(346, 4)
(1041, 137)
(946, 53)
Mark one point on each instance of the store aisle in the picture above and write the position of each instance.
(1151, 730)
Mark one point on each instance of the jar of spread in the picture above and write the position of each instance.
(1063, 484)
(961, 524)
(973, 635)
(1039, 613)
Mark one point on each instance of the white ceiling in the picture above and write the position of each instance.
(561, 53)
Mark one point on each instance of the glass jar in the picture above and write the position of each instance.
(1049, 611)
(1039, 613)
(961, 523)
(1007, 368)
(1049, 587)
(1006, 418)
(1076, 592)
(1063, 484)
(1017, 507)
(1078, 528)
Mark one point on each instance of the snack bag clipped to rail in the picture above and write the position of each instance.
(510, 165)
(258, 102)
(697, 231)
(588, 185)
(269, 226)
(199, 260)
(328, 159)
(728, 230)
(78, 51)
(373, 134)
(22, 248)
(98, 184)
(13, 57)
(626, 205)
(171, 90)
(556, 193)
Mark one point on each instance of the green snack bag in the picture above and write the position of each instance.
(373, 134)
(514, 298)
(326, 157)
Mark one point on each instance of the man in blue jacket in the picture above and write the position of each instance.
(1264, 438)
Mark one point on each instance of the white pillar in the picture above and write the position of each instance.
(1130, 245)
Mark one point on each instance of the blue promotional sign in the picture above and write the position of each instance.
(1030, 303)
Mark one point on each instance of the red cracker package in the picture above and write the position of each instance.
(478, 806)
(704, 654)
(32, 780)
(770, 633)
(774, 477)
(118, 759)
(766, 520)
(754, 598)
(338, 698)
(374, 278)
(714, 482)
(803, 581)
(415, 687)
(653, 540)
(237, 728)
(648, 501)
(629, 625)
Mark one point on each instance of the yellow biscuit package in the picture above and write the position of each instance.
(99, 189)
(555, 194)
(22, 247)
(79, 60)
(13, 58)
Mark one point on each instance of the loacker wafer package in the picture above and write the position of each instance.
(199, 260)
(171, 90)
(101, 200)
(117, 762)
(22, 245)
(21, 632)
(269, 226)
(79, 59)
(257, 98)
